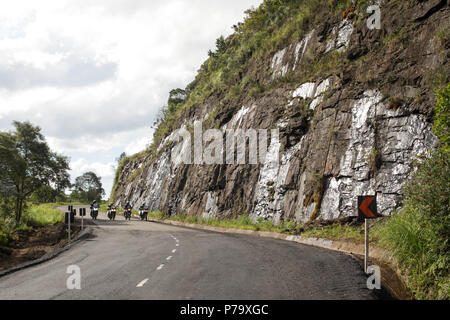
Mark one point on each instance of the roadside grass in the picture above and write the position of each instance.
(337, 232)
(242, 222)
(421, 252)
(35, 216)
(43, 215)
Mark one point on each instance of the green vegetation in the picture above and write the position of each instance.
(442, 118)
(337, 232)
(241, 222)
(88, 188)
(27, 165)
(35, 215)
(43, 215)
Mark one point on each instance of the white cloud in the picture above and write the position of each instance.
(82, 166)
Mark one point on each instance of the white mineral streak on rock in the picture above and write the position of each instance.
(401, 137)
(344, 34)
(282, 124)
(340, 197)
(309, 90)
(301, 47)
(305, 91)
(340, 36)
(158, 174)
(238, 119)
(183, 202)
(318, 96)
(270, 189)
(211, 206)
(277, 66)
(322, 87)
(315, 103)
(331, 200)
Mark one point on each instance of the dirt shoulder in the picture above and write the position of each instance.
(34, 243)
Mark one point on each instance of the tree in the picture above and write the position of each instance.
(88, 187)
(122, 155)
(27, 164)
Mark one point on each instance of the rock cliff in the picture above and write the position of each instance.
(353, 106)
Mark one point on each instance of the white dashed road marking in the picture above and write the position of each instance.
(142, 283)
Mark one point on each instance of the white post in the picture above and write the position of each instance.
(366, 256)
(70, 218)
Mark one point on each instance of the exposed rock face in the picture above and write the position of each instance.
(340, 136)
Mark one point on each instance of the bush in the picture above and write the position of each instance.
(442, 118)
(43, 215)
(419, 234)
(4, 239)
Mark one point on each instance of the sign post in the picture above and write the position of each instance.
(69, 219)
(367, 210)
(82, 219)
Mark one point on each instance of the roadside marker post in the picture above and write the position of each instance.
(82, 214)
(69, 216)
(367, 210)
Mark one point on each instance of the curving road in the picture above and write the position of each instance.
(144, 260)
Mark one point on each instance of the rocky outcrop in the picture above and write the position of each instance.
(352, 130)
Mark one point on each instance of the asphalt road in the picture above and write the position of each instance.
(144, 260)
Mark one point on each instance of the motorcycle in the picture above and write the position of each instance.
(143, 213)
(127, 214)
(94, 213)
(112, 214)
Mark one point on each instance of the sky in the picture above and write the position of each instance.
(93, 74)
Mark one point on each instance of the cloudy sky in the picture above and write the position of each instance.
(94, 73)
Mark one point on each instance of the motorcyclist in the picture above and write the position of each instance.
(143, 212)
(109, 210)
(128, 206)
(94, 208)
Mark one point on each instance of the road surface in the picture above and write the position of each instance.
(151, 261)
